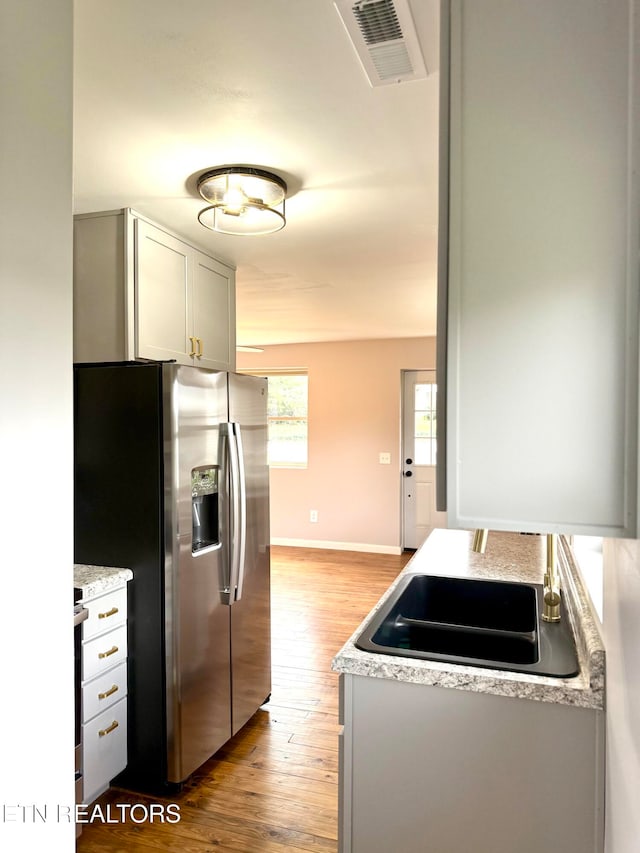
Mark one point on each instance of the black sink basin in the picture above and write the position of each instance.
(486, 623)
(468, 618)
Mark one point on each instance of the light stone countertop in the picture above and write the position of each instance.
(508, 557)
(98, 580)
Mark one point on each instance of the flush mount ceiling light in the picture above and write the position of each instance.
(242, 200)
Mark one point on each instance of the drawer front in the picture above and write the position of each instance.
(105, 613)
(103, 652)
(104, 691)
(104, 749)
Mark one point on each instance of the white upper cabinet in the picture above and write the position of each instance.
(140, 292)
(539, 264)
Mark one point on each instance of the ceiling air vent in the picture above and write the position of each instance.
(384, 37)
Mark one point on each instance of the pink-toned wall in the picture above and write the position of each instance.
(354, 415)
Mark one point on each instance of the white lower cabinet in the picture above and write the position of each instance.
(104, 692)
(104, 652)
(451, 771)
(104, 740)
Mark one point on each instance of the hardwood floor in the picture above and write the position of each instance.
(273, 787)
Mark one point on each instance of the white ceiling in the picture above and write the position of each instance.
(165, 90)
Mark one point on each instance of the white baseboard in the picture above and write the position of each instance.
(337, 546)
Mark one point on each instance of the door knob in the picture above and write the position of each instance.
(408, 473)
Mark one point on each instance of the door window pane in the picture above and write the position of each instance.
(424, 432)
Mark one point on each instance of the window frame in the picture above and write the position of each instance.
(284, 372)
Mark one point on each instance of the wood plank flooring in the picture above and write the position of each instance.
(273, 787)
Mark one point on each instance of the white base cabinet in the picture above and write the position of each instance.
(434, 770)
(104, 691)
(104, 749)
(141, 292)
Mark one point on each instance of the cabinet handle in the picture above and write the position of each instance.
(199, 354)
(109, 692)
(111, 651)
(193, 346)
(103, 732)
(106, 615)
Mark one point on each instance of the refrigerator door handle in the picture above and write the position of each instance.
(226, 440)
(241, 528)
(238, 524)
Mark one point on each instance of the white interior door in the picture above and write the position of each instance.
(419, 457)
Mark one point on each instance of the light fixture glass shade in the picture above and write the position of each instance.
(242, 200)
(250, 220)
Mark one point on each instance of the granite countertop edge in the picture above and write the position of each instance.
(513, 557)
(98, 580)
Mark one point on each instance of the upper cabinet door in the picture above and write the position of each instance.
(163, 307)
(213, 313)
(543, 265)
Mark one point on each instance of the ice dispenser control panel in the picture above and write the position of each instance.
(204, 508)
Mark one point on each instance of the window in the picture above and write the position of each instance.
(287, 418)
(424, 431)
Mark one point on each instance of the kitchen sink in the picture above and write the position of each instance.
(494, 624)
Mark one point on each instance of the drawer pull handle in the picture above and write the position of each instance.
(103, 732)
(200, 352)
(111, 651)
(193, 345)
(109, 692)
(106, 615)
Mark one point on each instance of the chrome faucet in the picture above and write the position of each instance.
(551, 591)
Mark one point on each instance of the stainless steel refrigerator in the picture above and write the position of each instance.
(171, 480)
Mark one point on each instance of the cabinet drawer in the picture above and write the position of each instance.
(105, 613)
(104, 691)
(104, 749)
(104, 652)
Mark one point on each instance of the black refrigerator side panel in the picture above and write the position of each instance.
(119, 522)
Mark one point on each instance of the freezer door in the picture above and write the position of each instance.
(250, 611)
(196, 570)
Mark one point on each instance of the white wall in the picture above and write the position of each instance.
(621, 625)
(36, 461)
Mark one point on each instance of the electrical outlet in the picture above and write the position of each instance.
(313, 515)
(385, 458)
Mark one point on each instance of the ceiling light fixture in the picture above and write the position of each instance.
(242, 200)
